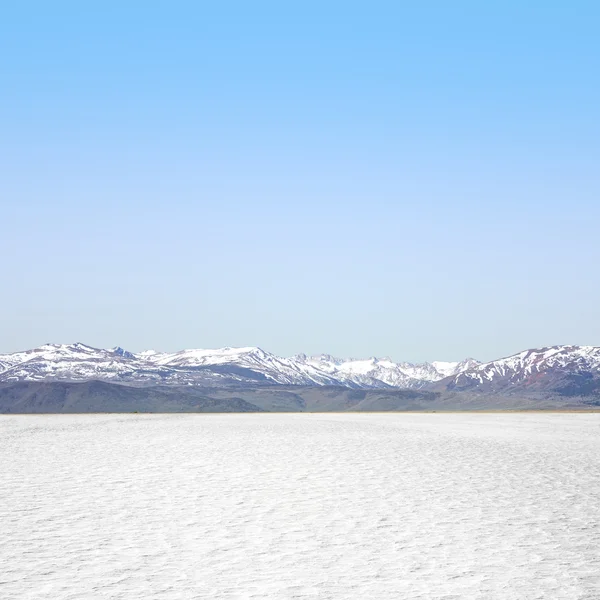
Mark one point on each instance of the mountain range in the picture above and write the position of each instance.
(79, 362)
(569, 375)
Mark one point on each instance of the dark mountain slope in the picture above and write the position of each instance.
(100, 396)
(27, 397)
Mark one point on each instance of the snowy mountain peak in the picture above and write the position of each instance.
(447, 369)
(325, 358)
(552, 367)
(199, 357)
(118, 351)
(251, 364)
(567, 368)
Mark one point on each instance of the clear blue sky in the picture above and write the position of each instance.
(412, 179)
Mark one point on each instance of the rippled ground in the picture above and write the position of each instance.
(340, 506)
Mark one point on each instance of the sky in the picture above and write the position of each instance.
(417, 180)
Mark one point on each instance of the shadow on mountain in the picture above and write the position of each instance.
(26, 397)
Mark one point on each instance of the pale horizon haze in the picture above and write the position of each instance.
(413, 180)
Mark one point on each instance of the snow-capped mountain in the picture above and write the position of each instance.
(248, 362)
(565, 370)
(78, 362)
(66, 361)
(568, 370)
(447, 369)
(374, 372)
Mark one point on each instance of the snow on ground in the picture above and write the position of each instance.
(328, 506)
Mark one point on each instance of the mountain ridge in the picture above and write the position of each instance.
(80, 362)
(562, 370)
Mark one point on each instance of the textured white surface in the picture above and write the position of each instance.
(328, 506)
